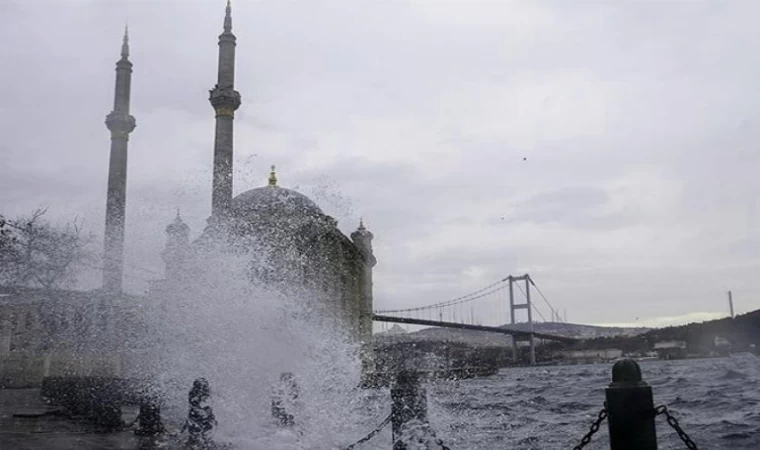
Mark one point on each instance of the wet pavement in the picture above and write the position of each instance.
(51, 431)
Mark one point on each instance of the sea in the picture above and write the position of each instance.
(716, 401)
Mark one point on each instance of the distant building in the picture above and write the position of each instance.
(721, 345)
(719, 341)
(59, 333)
(670, 349)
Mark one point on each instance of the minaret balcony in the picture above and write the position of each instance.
(120, 123)
(225, 100)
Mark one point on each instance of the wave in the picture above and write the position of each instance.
(732, 375)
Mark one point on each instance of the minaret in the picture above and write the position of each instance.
(362, 238)
(225, 100)
(120, 123)
(177, 248)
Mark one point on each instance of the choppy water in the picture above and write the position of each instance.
(717, 402)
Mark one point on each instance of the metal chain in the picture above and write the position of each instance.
(371, 434)
(594, 428)
(441, 444)
(662, 409)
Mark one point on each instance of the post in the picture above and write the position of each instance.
(149, 421)
(408, 411)
(104, 402)
(284, 399)
(731, 304)
(200, 417)
(630, 409)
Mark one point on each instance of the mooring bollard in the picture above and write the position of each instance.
(284, 398)
(200, 417)
(105, 403)
(409, 411)
(630, 409)
(149, 421)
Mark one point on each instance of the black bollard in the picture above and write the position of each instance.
(105, 404)
(409, 422)
(284, 399)
(200, 417)
(149, 421)
(630, 409)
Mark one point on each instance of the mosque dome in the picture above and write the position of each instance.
(273, 200)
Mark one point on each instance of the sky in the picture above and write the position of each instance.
(607, 148)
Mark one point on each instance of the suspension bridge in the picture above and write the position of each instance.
(487, 309)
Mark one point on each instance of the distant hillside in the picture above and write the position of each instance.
(485, 339)
(743, 333)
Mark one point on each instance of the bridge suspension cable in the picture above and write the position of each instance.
(555, 312)
(495, 309)
(488, 290)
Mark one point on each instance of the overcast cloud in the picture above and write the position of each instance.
(607, 148)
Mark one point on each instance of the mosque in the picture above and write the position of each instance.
(290, 242)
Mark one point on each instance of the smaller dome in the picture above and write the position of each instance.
(275, 200)
(362, 232)
(177, 226)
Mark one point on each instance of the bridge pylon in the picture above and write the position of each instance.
(516, 306)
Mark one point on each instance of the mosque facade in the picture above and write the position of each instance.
(290, 240)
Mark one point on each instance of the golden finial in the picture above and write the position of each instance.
(272, 177)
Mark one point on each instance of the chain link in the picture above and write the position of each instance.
(371, 434)
(663, 410)
(441, 444)
(594, 428)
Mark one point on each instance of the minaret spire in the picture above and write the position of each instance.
(228, 18)
(225, 100)
(120, 123)
(125, 43)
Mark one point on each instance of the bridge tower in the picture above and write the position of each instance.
(516, 306)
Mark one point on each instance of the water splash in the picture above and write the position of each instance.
(241, 336)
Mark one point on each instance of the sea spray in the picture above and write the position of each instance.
(218, 324)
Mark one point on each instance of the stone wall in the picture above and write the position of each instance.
(20, 370)
(61, 333)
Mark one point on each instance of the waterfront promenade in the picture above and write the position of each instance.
(52, 432)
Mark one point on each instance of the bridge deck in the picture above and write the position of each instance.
(464, 326)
